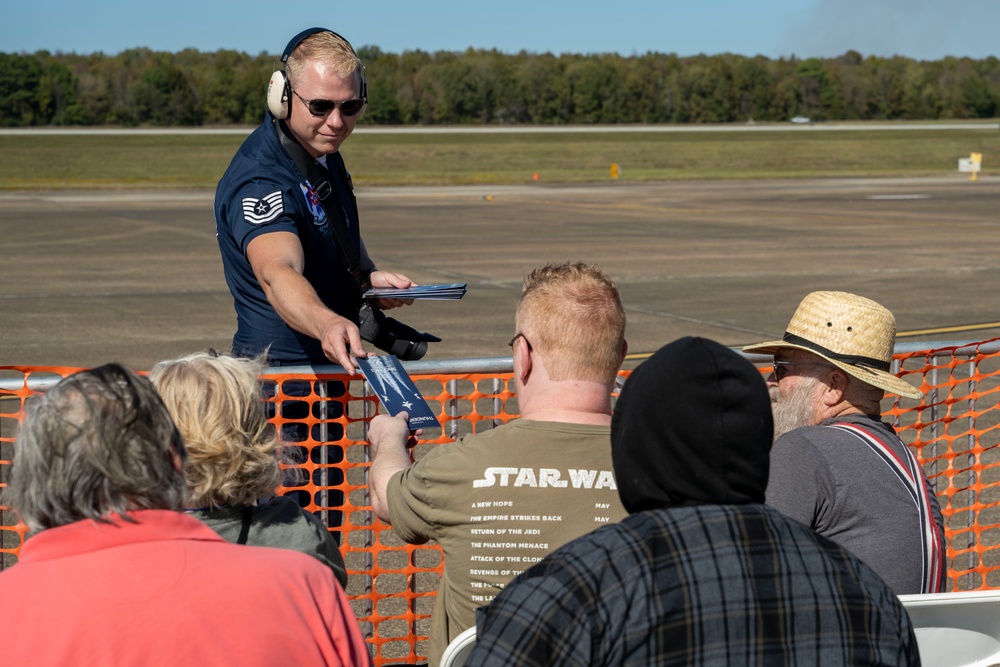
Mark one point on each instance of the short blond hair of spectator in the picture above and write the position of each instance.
(215, 400)
(572, 315)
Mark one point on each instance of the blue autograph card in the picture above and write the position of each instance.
(433, 292)
(396, 390)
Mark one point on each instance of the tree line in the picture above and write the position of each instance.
(145, 87)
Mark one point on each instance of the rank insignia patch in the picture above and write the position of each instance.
(263, 210)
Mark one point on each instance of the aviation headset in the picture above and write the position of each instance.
(279, 90)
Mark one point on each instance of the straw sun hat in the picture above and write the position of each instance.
(853, 333)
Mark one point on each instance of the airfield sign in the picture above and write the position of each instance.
(971, 165)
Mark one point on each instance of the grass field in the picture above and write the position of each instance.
(509, 157)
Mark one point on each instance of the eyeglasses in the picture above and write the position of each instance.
(781, 368)
(323, 107)
(527, 342)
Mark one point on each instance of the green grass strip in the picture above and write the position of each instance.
(198, 160)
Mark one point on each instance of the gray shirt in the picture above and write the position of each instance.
(833, 482)
(278, 522)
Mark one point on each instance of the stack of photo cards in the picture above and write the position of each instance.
(396, 390)
(430, 292)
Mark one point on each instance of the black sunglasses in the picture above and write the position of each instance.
(781, 367)
(323, 107)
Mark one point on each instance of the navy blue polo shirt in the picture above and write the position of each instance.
(262, 192)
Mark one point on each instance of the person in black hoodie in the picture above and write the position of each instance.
(701, 572)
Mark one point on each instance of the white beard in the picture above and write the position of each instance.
(795, 410)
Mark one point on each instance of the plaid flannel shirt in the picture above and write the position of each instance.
(701, 585)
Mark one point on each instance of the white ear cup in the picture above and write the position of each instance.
(277, 95)
(364, 92)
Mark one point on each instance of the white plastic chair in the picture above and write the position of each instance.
(458, 650)
(956, 629)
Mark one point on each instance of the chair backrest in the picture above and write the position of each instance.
(956, 629)
(458, 650)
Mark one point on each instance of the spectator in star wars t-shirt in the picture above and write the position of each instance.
(500, 500)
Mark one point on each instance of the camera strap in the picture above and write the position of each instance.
(308, 167)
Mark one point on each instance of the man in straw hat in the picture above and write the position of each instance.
(835, 465)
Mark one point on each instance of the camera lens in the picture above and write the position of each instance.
(408, 350)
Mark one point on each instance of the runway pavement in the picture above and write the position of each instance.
(90, 277)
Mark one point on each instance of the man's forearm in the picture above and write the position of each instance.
(388, 437)
(298, 305)
(296, 302)
(390, 459)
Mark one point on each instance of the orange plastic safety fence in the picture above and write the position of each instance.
(954, 431)
(13, 395)
(392, 585)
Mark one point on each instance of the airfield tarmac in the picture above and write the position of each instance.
(135, 277)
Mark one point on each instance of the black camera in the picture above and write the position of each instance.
(391, 335)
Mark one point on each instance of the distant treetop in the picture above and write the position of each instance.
(144, 87)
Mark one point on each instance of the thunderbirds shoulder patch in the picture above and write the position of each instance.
(314, 204)
(264, 210)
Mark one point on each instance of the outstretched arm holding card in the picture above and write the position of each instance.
(568, 344)
(389, 437)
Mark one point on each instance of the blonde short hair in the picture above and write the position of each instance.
(572, 315)
(215, 400)
(327, 47)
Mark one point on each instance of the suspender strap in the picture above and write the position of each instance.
(328, 199)
(908, 471)
(245, 528)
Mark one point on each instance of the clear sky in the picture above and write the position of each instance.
(921, 29)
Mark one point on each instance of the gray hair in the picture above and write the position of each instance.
(99, 443)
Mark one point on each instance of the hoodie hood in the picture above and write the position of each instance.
(692, 426)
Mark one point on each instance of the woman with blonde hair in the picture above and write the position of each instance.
(232, 469)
